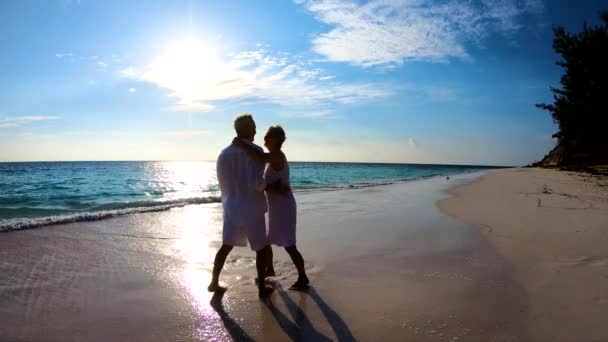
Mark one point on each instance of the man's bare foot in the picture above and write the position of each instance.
(301, 284)
(264, 292)
(297, 286)
(216, 288)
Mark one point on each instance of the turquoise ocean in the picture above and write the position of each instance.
(35, 194)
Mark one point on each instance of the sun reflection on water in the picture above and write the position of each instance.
(198, 229)
(183, 179)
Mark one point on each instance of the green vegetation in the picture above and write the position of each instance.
(580, 106)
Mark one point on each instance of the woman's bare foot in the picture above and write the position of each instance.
(216, 288)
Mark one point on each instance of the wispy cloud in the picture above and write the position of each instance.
(184, 134)
(198, 79)
(132, 90)
(94, 60)
(113, 133)
(66, 3)
(389, 32)
(129, 72)
(412, 143)
(29, 136)
(310, 114)
(22, 120)
(325, 78)
(64, 55)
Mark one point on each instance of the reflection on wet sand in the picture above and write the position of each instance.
(143, 277)
(232, 327)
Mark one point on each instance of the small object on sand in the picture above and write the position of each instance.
(448, 177)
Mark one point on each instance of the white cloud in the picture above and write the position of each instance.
(192, 106)
(308, 73)
(385, 32)
(22, 120)
(64, 55)
(198, 78)
(94, 60)
(412, 143)
(129, 72)
(132, 90)
(325, 78)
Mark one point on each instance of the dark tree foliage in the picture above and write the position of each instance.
(580, 106)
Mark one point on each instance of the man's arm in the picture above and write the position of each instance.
(220, 168)
(251, 151)
(255, 176)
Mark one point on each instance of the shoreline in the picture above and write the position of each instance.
(445, 255)
(550, 227)
(383, 263)
(21, 223)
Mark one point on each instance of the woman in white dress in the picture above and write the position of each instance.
(281, 204)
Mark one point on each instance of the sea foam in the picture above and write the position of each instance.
(145, 207)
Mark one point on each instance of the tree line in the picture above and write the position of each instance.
(580, 103)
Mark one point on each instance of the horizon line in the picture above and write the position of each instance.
(292, 161)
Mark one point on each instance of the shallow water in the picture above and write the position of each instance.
(44, 193)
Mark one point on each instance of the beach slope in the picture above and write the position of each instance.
(552, 227)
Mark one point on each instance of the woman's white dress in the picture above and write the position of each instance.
(281, 209)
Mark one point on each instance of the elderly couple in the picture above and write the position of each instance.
(252, 183)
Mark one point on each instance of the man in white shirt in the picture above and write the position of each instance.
(242, 185)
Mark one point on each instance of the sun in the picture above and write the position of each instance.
(187, 66)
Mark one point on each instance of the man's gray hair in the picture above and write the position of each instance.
(241, 120)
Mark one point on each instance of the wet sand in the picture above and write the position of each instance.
(384, 263)
(552, 227)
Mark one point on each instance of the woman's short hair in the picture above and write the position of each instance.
(278, 132)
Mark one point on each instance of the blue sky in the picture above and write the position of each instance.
(381, 81)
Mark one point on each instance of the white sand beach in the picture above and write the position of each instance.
(384, 262)
(552, 227)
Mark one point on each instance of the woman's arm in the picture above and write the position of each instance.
(252, 151)
(278, 187)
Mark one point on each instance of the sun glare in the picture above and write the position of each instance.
(186, 66)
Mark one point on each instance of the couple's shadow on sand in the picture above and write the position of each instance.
(301, 329)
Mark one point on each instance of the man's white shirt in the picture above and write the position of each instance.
(242, 184)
